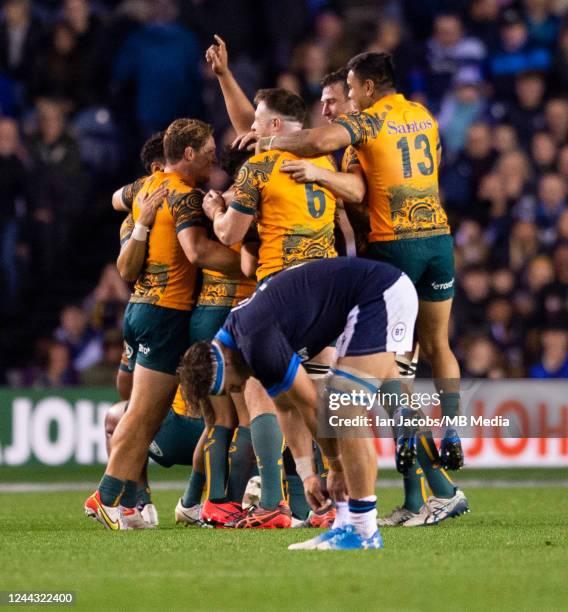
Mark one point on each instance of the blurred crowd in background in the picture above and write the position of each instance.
(82, 84)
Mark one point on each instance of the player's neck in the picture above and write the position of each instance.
(181, 170)
(287, 127)
(379, 95)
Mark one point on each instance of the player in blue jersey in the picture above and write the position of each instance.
(371, 307)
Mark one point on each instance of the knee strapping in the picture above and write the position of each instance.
(407, 366)
(348, 380)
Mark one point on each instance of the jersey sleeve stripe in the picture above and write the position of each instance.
(242, 209)
(225, 337)
(288, 378)
(346, 125)
(186, 224)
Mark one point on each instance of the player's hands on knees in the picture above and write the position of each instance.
(301, 171)
(218, 57)
(336, 485)
(314, 492)
(212, 203)
(149, 204)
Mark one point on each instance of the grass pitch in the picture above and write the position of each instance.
(510, 553)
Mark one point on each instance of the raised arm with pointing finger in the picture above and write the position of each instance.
(239, 107)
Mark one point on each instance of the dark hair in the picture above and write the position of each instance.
(531, 74)
(339, 76)
(231, 160)
(284, 103)
(184, 133)
(153, 151)
(196, 373)
(377, 67)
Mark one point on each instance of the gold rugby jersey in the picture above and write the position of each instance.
(168, 279)
(397, 145)
(295, 220)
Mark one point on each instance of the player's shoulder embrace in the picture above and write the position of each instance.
(259, 166)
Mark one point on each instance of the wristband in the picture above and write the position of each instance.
(304, 467)
(140, 232)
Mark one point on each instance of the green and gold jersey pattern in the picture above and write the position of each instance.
(398, 145)
(295, 221)
(225, 290)
(126, 228)
(130, 191)
(168, 279)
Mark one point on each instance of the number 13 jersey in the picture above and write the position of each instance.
(398, 145)
(295, 220)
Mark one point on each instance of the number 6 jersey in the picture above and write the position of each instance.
(397, 145)
(295, 220)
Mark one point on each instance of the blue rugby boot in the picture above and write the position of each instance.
(349, 539)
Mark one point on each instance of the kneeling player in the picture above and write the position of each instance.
(372, 307)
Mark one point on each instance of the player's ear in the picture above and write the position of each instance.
(369, 87)
(189, 153)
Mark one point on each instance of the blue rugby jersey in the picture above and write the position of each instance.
(299, 312)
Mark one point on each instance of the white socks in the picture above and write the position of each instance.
(341, 516)
(363, 515)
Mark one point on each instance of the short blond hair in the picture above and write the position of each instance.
(184, 133)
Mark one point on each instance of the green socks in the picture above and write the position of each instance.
(429, 459)
(297, 499)
(143, 495)
(194, 490)
(124, 492)
(111, 490)
(241, 463)
(321, 464)
(414, 489)
(450, 404)
(294, 486)
(267, 443)
(216, 447)
(128, 499)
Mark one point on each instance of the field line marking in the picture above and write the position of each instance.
(385, 483)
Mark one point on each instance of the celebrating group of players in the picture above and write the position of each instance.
(241, 297)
